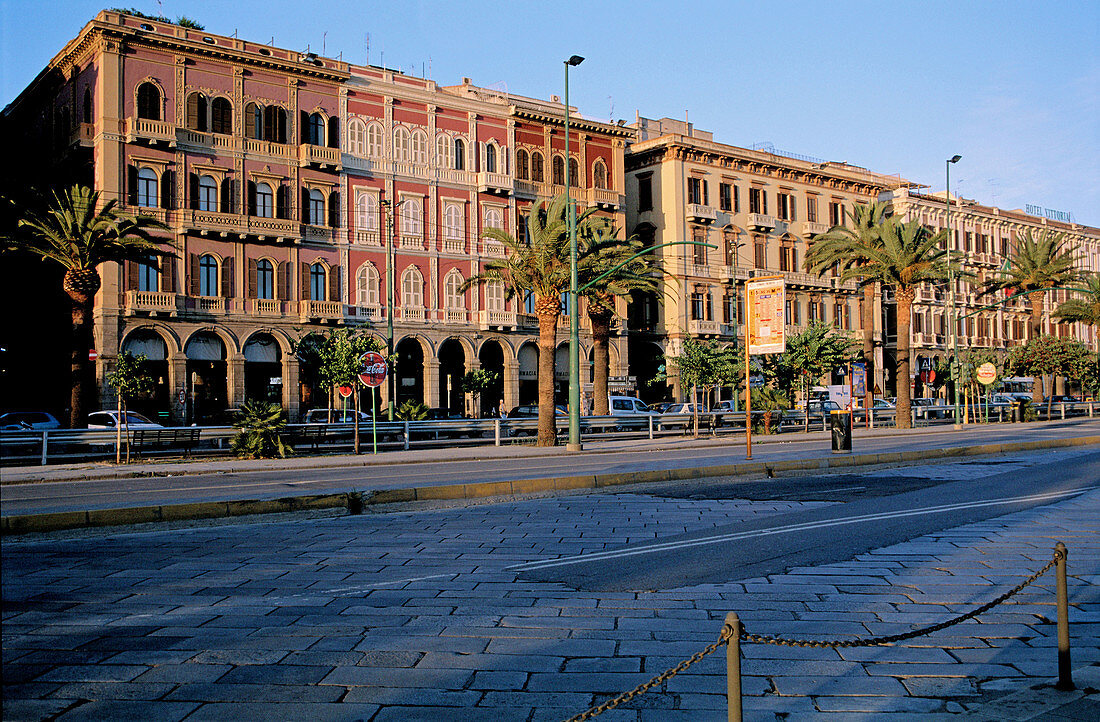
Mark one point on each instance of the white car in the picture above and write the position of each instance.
(28, 420)
(109, 420)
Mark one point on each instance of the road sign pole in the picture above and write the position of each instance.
(748, 402)
(374, 417)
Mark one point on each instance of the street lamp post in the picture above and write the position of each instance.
(389, 304)
(953, 337)
(574, 443)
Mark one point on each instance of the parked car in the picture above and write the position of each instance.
(632, 412)
(925, 410)
(687, 411)
(339, 416)
(1062, 399)
(661, 406)
(110, 420)
(28, 420)
(729, 406)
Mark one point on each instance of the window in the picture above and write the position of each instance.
(196, 112)
(537, 173)
(725, 197)
(444, 152)
(494, 296)
(411, 215)
(699, 251)
(523, 164)
(412, 289)
(253, 121)
(274, 124)
(317, 282)
(460, 154)
(565, 304)
(452, 222)
(599, 175)
(729, 308)
(759, 253)
(86, 108)
(265, 279)
(374, 140)
(698, 305)
(453, 298)
(493, 218)
(840, 310)
(366, 212)
(575, 177)
(148, 101)
(366, 285)
(528, 302)
(208, 194)
(208, 276)
(221, 116)
(558, 171)
(490, 158)
(357, 137)
(418, 147)
(785, 201)
(316, 208)
(729, 238)
(836, 214)
(148, 275)
(811, 209)
(736, 200)
(788, 258)
(695, 191)
(645, 193)
(147, 188)
(794, 312)
(401, 142)
(315, 129)
(758, 201)
(265, 200)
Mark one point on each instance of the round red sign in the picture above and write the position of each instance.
(372, 369)
(345, 391)
(92, 354)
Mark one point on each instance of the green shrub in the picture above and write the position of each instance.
(259, 431)
(411, 411)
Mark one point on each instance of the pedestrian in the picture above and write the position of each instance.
(500, 409)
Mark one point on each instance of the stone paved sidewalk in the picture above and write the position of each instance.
(415, 615)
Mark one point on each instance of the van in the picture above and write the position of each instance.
(633, 412)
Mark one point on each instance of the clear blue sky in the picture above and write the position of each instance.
(1014, 87)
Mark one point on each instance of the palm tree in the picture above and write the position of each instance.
(539, 265)
(908, 254)
(769, 400)
(601, 254)
(78, 233)
(1035, 266)
(843, 248)
(1084, 310)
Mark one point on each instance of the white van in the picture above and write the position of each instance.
(633, 410)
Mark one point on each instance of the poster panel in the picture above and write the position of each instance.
(766, 304)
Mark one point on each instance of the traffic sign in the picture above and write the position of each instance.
(345, 391)
(372, 369)
(987, 373)
(92, 354)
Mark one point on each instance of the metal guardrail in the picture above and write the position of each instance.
(733, 632)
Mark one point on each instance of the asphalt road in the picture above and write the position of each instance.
(375, 474)
(872, 510)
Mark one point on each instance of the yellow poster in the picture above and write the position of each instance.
(766, 304)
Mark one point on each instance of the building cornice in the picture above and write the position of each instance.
(575, 123)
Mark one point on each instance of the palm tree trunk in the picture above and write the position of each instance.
(867, 310)
(81, 341)
(547, 310)
(601, 360)
(1035, 298)
(902, 418)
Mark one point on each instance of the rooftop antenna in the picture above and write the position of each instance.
(610, 109)
(368, 48)
(324, 40)
(429, 66)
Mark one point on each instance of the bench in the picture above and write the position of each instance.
(143, 439)
(312, 434)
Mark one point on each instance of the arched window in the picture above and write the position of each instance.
(599, 174)
(208, 275)
(357, 137)
(444, 152)
(366, 285)
(208, 193)
(419, 147)
(537, 174)
(454, 298)
(265, 279)
(490, 158)
(265, 200)
(148, 101)
(221, 116)
(412, 289)
(274, 124)
(494, 296)
(196, 112)
(452, 223)
(575, 174)
(149, 275)
(147, 195)
(558, 171)
(523, 168)
(366, 212)
(460, 154)
(401, 141)
(317, 282)
(374, 140)
(253, 121)
(316, 207)
(315, 131)
(493, 218)
(411, 219)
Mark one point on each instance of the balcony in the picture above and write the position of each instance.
(280, 228)
(704, 328)
(372, 313)
(158, 302)
(760, 222)
(281, 151)
(454, 245)
(206, 222)
(798, 279)
(412, 314)
(366, 238)
(216, 141)
(413, 170)
(456, 315)
(809, 229)
(319, 156)
(700, 213)
(412, 240)
(605, 198)
(83, 135)
(729, 329)
(494, 183)
(270, 307)
(214, 305)
(320, 311)
(318, 234)
(527, 320)
(454, 177)
(151, 131)
(496, 319)
(495, 249)
(527, 189)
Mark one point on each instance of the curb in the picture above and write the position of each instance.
(56, 521)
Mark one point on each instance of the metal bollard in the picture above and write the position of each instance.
(496, 432)
(1063, 411)
(733, 668)
(650, 428)
(406, 436)
(1065, 677)
(45, 443)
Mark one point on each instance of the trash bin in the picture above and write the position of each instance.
(1015, 412)
(841, 423)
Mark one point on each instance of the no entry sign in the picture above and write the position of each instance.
(372, 369)
(345, 391)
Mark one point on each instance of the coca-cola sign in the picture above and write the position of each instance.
(372, 369)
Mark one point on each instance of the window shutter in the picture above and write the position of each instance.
(706, 194)
(167, 189)
(304, 283)
(131, 185)
(131, 275)
(227, 277)
(282, 200)
(334, 283)
(334, 209)
(305, 207)
(334, 132)
(282, 274)
(193, 191)
(251, 198)
(303, 126)
(252, 282)
(168, 274)
(193, 275)
(226, 200)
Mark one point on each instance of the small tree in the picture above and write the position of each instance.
(811, 353)
(769, 400)
(1050, 355)
(129, 379)
(707, 364)
(411, 411)
(260, 431)
(475, 383)
(339, 365)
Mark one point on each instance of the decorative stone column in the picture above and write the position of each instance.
(431, 382)
(177, 382)
(292, 392)
(234, 381)
(511, 383)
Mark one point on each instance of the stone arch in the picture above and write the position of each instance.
(232, 345)
(510, 350)
(160, 88)
(169, 336)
